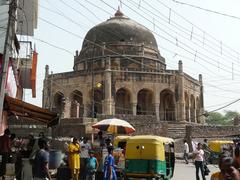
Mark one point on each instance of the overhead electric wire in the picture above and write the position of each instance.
(189, 33)
(224, 106)
(102, 1)
(208, 10)
(202, 30)
(52, 45)
(82, 38)
(193, 53)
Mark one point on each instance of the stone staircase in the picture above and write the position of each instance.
(176, 130)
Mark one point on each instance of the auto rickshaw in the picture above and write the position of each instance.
(120, 141)
(149, 157)
(217, 147)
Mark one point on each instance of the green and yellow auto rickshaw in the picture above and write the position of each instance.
(216, 147)
(120, 141)
(149, 157)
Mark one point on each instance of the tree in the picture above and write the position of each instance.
(230, 115)
(215, 118)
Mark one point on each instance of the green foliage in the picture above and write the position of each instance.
(217, 118)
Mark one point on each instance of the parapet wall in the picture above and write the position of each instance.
(206, 131)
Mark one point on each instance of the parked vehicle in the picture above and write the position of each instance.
(217, 147)
(149, 157)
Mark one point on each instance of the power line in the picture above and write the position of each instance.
(191, 51)
(225, 105)
(202, 30)
(208, 10)
(188, 33)
(52, 45)
(81, 37)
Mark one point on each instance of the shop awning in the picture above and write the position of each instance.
(29, 111)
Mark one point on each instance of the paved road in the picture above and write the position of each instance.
(187, 171)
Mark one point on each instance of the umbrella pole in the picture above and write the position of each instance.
(92, 136)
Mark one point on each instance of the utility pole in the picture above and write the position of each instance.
(6, 52)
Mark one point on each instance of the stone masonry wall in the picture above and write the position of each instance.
(211, 131)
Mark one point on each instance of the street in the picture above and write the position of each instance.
(187, 171)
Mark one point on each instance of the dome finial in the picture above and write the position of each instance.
(118, 13)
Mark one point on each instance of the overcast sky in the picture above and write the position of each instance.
(207, 43)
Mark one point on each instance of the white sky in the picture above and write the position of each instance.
(221, 86)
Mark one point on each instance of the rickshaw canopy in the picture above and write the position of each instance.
(218, 145)
(147, 147)
(118, 139)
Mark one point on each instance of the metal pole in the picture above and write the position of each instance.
(93, 109)
(51, 94)
(7, 49)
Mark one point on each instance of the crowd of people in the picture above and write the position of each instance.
(81, 158)
(84, 165)
(228, 161)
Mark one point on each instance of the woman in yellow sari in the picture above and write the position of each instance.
(74, 158)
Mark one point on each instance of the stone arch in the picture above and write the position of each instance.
(76, 104)
(198, 110)
(145, 102)
(167, 105)
(192, 108)
(186, 99)
(123, 101)
(96, 102)
(59, 102)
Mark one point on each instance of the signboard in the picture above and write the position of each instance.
(11, 85)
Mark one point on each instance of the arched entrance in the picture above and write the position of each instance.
(76, 104)
(192, 109)
(167, 105)
(145, 102)
(96, 102)
(122, 102)
(186, 98)
(59, 103)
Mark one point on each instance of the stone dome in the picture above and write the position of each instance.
(120, 29)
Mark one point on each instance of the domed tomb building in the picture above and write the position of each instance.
(120, 71)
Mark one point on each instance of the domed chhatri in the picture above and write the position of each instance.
(121, 29)
(120, 35)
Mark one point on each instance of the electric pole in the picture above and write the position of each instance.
(6, 52)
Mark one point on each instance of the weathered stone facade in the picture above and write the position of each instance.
(120, 70)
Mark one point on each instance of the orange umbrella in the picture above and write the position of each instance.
(114, 126)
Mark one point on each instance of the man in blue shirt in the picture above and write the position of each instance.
(92, 166)
(40, 164)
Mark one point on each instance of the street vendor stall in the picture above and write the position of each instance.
(114, 127)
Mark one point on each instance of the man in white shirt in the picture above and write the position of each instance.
(84, 155)
(185, 151)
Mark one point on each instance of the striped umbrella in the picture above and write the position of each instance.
(114, 126)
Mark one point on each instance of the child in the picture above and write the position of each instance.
(92, 166)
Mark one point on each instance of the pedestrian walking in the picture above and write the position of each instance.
(5, 150)
(185, 151)
(109, 166)
(74, 158)
(91, 166)
(85, 147)
(199, 161)
(40, 163)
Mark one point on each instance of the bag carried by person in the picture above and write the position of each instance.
(206, 170)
